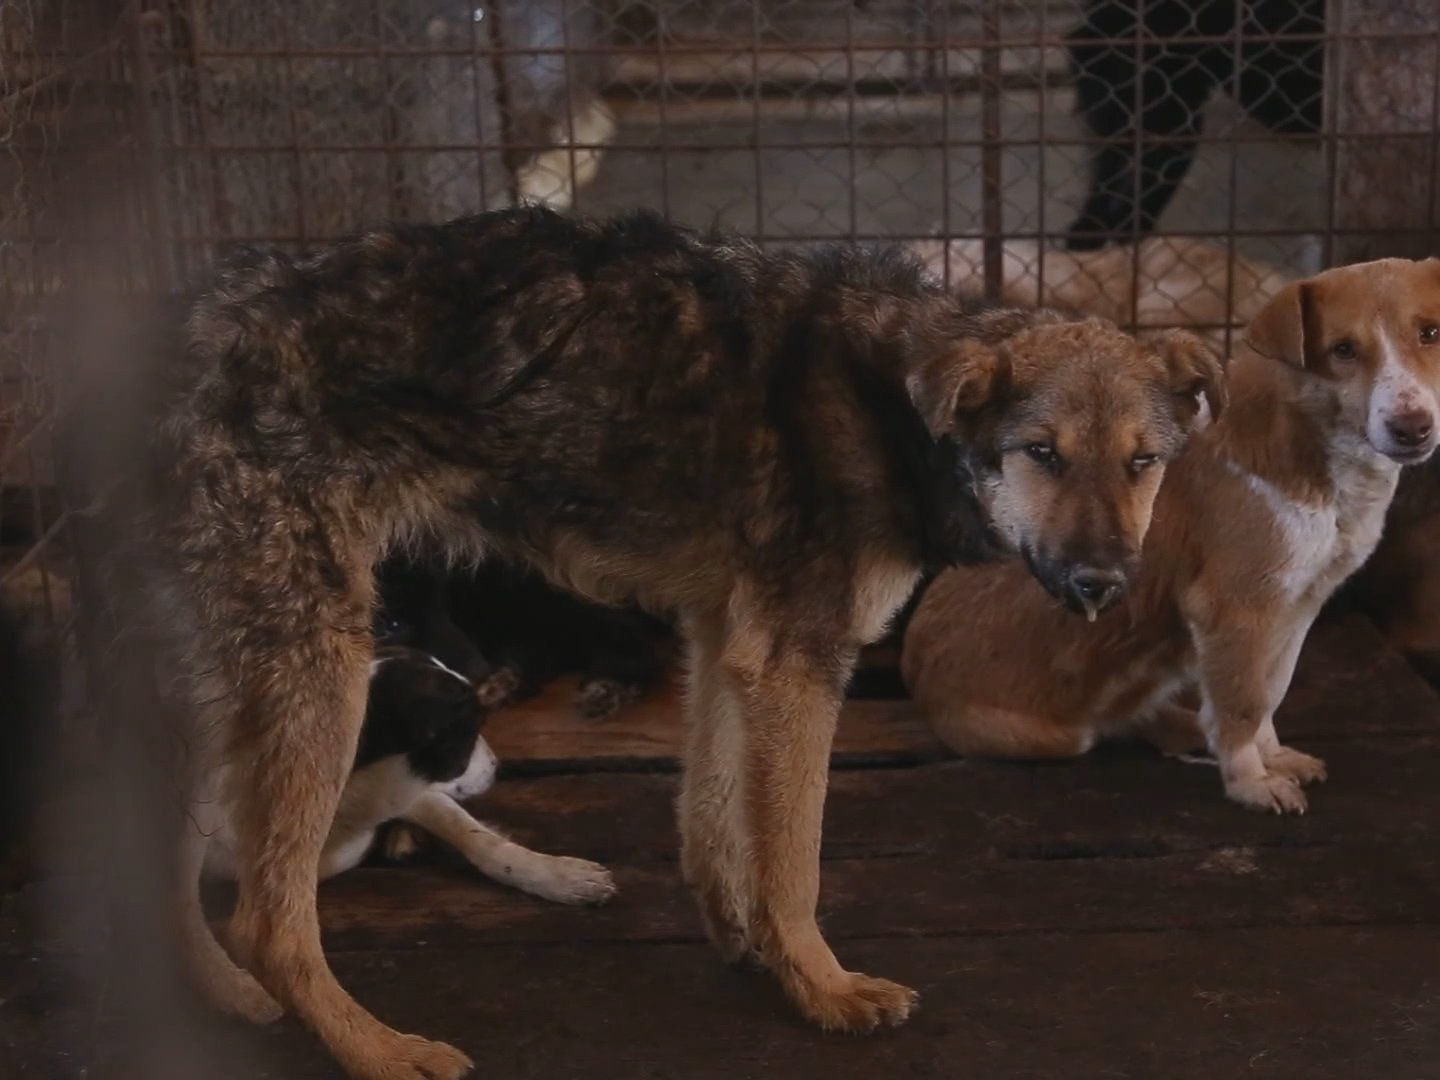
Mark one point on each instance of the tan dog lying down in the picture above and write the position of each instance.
(1172, 281)
(1266, 513)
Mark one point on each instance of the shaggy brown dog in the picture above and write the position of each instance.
(771, 446)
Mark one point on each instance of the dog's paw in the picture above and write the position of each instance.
(600, 698)
(407, 1057)
(402, 842)
(859, 1003)
(720, 912)
(1302, 768)
(570, 881)
(1272, 793)
(239, 994)
(730, 939)
(500, 687)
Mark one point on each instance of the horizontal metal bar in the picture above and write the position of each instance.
(202, 50)
(1013, 234)
(748, 145)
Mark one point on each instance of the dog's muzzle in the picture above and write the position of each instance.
(1083, 588)
(1408, 438)
(1092, 589)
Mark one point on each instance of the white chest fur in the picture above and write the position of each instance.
(1320, 544)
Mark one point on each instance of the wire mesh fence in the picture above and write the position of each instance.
(1159, 161)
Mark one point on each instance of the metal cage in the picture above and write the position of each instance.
(1287, 135)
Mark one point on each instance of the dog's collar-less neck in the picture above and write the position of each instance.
(1277, 436)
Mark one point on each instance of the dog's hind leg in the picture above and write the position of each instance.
(224, 984)
(299, 679)
(714, 855)
(987, 731)
(790, 696)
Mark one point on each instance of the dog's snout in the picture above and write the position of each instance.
(1095, 588)
(1410, 429)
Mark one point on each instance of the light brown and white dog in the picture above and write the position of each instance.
(1270, 509)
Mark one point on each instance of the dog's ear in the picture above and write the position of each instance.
(1196, 373)
(1432, 267)
(959, 379)
(1278, 331)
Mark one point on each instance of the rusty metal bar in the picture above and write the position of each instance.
(502, 92)
(816, 237)
(991, 181)
(875, 45)
(943, 77)
(1334, 15)
(1231, 191)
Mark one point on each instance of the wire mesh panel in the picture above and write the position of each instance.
(63, 93)
(1158, 161)
(1089, 121)
(1083, 123)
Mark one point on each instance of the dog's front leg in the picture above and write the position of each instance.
(552, 877)
(1245, 668)
(790, 700)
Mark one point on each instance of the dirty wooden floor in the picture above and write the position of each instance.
(1108, 918)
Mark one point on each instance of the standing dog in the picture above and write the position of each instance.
(771, 445)
(1271, 509)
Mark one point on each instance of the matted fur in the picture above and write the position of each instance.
(770, 446)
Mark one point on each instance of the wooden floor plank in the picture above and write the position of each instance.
(1349, 682)
(922, 896)
(1120, 800)
(1273, 1004)
(1110, 917)
(1117, 841)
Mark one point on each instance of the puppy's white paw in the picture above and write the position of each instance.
(1302, 768)
(569, 881)
(1272, 793)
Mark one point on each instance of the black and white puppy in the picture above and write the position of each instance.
(420, 756)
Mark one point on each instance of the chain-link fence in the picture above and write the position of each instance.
(1160, 161)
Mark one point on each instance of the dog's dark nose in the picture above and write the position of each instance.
(1410, 428)
(1094, 589)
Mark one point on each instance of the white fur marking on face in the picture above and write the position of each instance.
(479, 775)
(1395, 392)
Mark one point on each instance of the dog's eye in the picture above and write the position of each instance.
(1141, 462)
(1343, 350)
(1429, 335)
(1043, 453)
